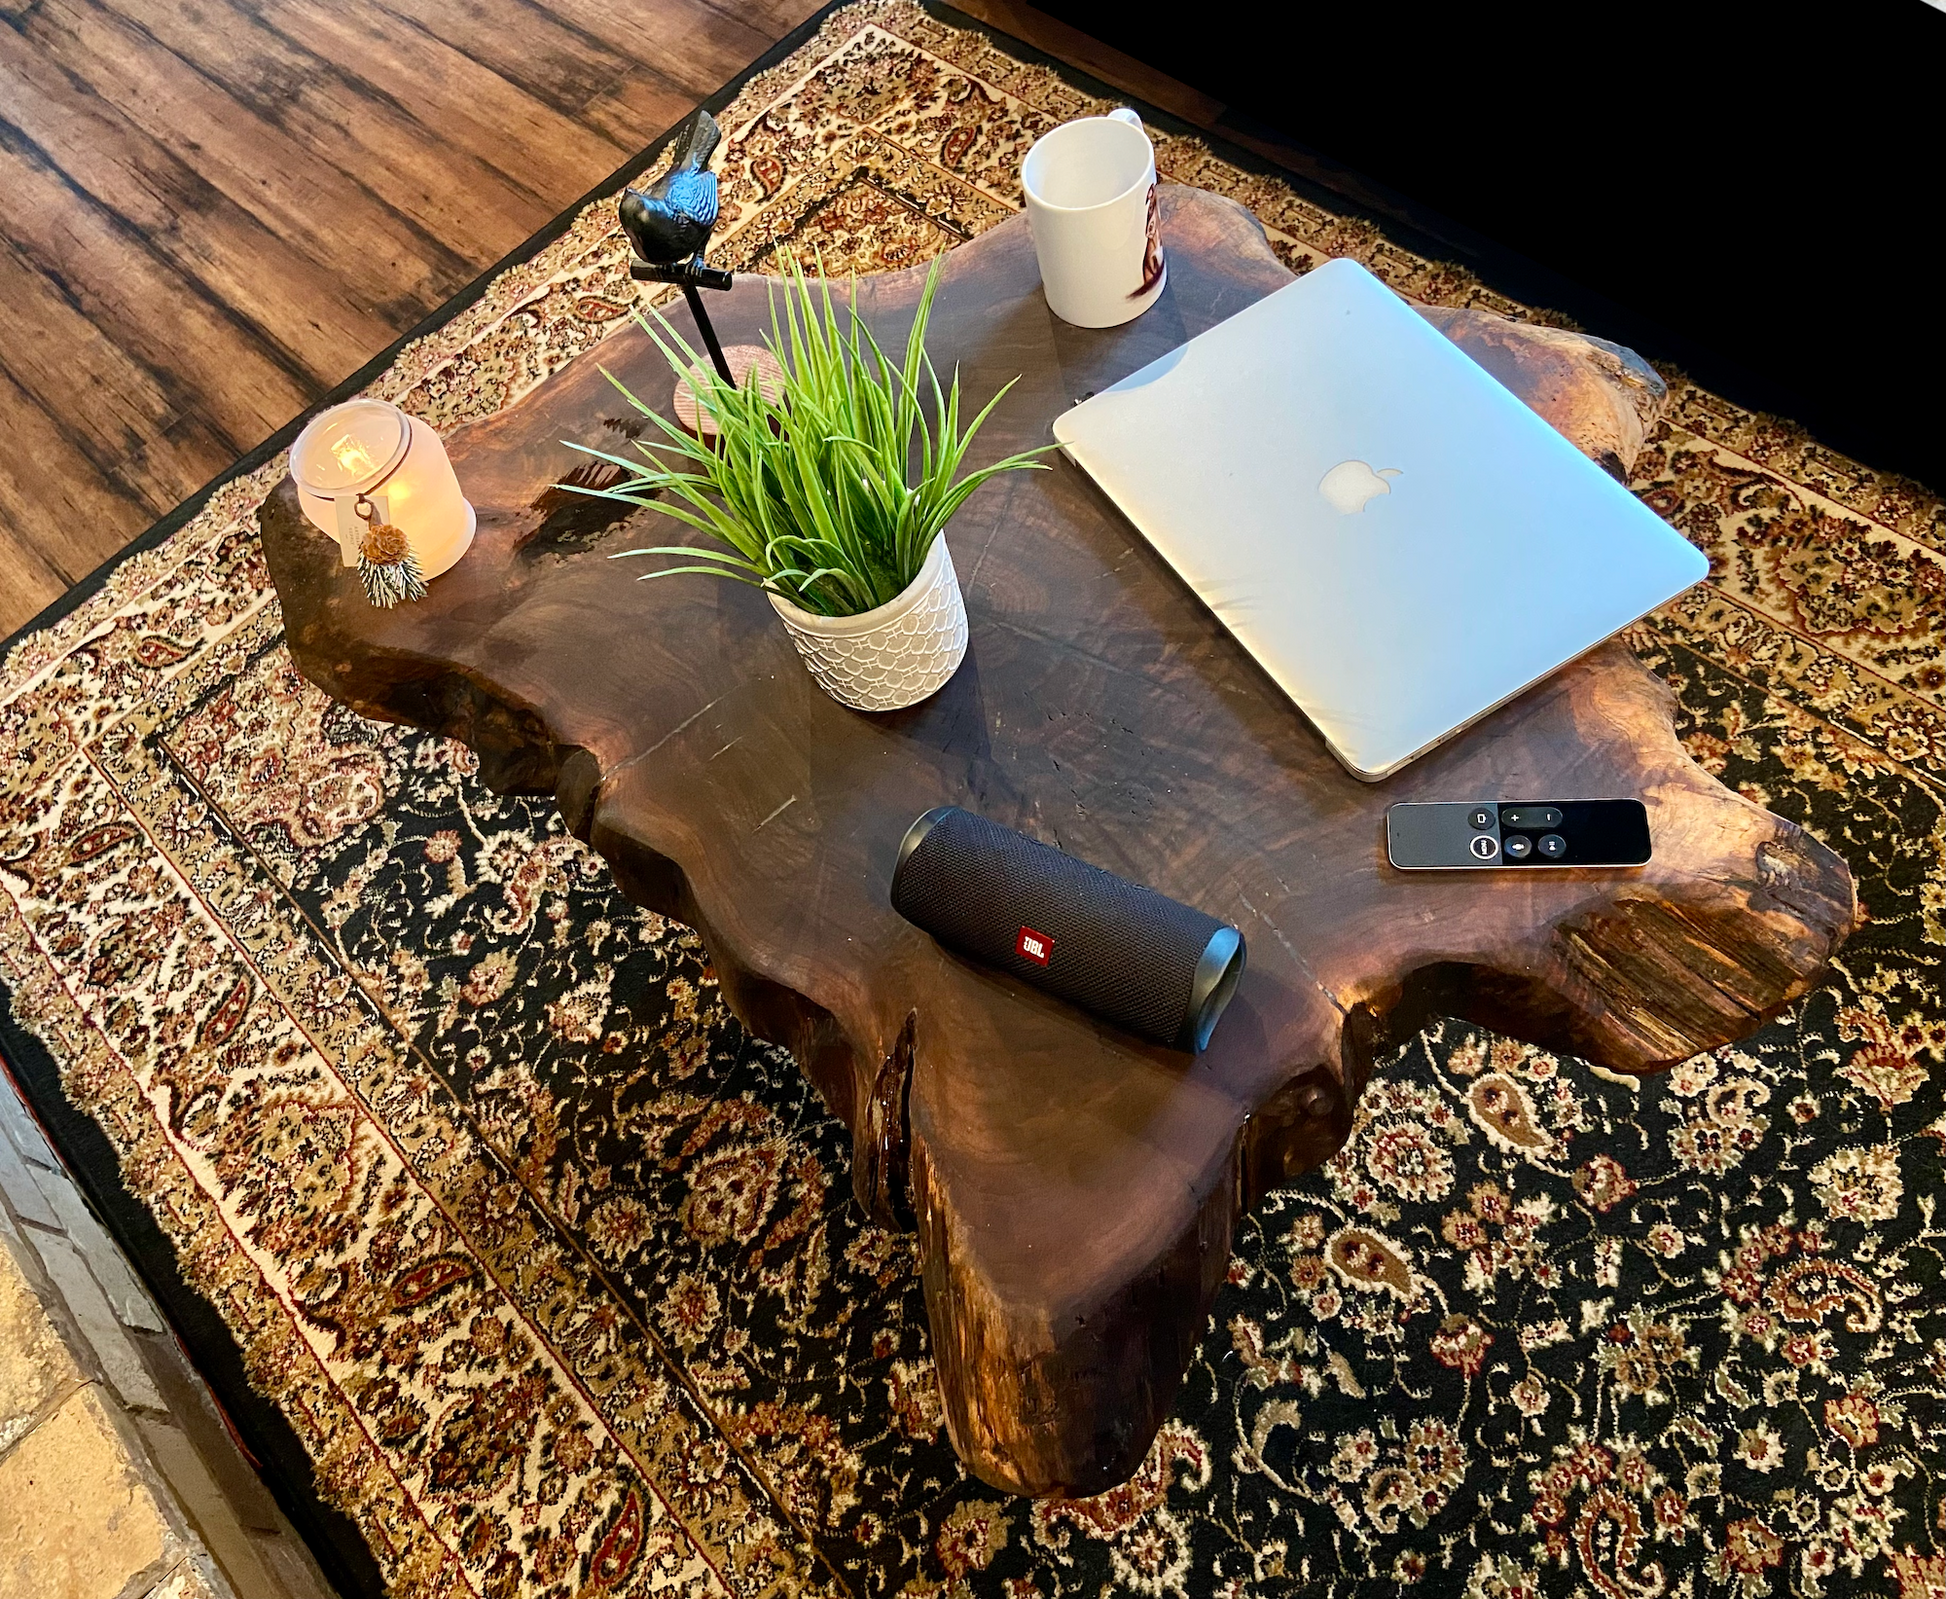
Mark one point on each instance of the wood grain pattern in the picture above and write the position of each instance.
(216, 212)
(1074, 1190)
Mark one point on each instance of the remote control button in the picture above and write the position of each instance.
(1530, 816)
(1481, 819)
(1519, 848)
(1484, 847)
(1553, 846)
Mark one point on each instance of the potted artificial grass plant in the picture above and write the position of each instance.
(830, 494)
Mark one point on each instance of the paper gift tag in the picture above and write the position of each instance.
(351, 526)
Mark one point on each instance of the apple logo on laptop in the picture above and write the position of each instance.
(1349, 484)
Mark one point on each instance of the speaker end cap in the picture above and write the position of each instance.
(1210, 989)
(915, 835)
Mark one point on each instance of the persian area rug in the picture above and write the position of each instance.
(528, 1273)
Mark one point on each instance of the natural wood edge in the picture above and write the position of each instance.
(1117, 1362)
(1550, 368)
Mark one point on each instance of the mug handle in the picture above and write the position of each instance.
(1123, 113)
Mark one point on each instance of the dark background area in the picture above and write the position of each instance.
(1752, 193)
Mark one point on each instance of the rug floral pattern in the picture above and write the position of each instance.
(555, 1272)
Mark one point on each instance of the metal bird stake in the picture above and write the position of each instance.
(669, 225)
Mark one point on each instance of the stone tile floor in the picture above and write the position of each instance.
(118, 1477)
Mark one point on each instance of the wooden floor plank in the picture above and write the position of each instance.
(440, 86)
(297, 303)
(28, 584)
(773, 18)
(628, 101)
(694, 46)
(386, 263)
(142, 303)
(110, 407)
(29, 580)
(46, 483)
(451, 193)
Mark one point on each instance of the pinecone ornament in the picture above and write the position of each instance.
(386, 565)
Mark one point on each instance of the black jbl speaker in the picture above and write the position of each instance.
(1124, 952)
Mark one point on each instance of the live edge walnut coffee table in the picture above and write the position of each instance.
(1074, 1189)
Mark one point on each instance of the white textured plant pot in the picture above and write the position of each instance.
(891, 657)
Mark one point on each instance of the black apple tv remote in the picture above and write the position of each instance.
(1472, 835)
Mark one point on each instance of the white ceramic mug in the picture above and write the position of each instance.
(1091, 201)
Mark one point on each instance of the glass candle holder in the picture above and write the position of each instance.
(371, 452)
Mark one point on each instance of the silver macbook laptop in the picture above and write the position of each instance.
(1400, 542)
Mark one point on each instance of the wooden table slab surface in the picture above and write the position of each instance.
(1074, 1189)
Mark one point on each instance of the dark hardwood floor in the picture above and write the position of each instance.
(212, 211)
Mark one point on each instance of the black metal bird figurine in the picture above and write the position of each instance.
(669, 225)
(672, 221)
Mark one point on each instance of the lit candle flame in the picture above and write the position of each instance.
(354, 457)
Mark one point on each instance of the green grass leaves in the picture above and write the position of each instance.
(831, 494)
